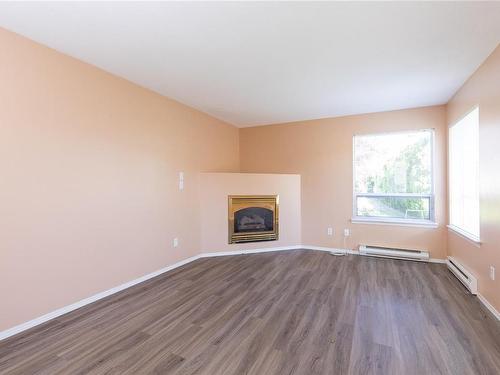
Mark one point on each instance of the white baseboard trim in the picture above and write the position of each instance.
(249, 251)
(66, 309)
(282, 248)
(327, 249)
(436, 260)
(489, 306)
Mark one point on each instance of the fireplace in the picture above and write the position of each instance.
(253, 218)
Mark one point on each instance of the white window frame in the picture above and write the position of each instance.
(461, 232)
(431, 222)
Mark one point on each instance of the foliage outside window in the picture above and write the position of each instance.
(393, 176)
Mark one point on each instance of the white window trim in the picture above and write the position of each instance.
(461, 232)
(431, 223)
(395, 222)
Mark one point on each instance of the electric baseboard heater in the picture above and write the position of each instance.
(463, 275)
(388, 252)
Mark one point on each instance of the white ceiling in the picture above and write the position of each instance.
(260, 63)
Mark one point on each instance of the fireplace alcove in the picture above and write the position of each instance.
(215, 189)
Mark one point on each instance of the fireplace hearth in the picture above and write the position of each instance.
(253, 218)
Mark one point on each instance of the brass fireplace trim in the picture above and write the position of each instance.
(237, 202)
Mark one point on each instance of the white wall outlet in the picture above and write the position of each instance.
(181, 180)
(330, 231)
(347, 232)
(175, 242)
(492, 272)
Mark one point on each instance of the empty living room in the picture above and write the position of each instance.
(240, 187)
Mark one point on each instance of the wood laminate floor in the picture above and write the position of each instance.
(293, 312)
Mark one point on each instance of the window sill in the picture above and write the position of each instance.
(469, 237)
(401, 223)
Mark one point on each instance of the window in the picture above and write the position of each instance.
(393, 177)
(464, 175)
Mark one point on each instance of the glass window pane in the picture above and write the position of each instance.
(393, 163)
(415, 208)
(464, 173)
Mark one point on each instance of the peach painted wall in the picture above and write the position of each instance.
(483, 89)
(88, 187)
(214, 191)
(321, 152)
